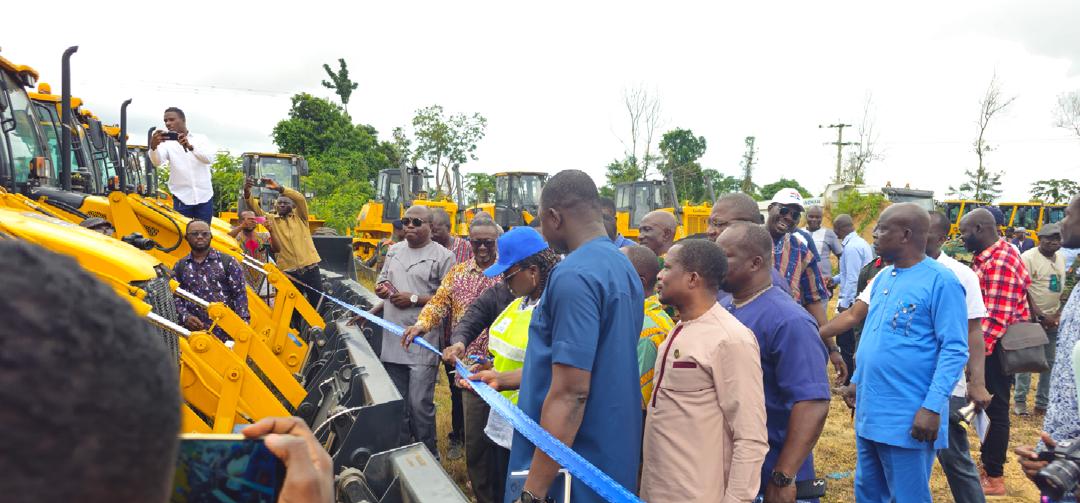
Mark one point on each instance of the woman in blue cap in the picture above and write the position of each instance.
(525, 261)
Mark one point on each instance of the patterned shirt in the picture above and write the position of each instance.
(1062, 417)
(461, 249)
(1004, 281)
(654, 330)
(793, 258)
(218, 278)
(254, 246)
(463, 283)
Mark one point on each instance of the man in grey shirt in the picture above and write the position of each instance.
(824, 238)
(413, 270)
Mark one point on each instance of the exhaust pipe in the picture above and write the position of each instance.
(65, 117)
(122, 169)
(151, 171)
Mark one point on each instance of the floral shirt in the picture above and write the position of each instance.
(218, 278)
(1004, 281)
(461, 286)
(654, 330)
(1063, 415)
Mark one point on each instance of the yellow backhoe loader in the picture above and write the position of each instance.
(517, 200)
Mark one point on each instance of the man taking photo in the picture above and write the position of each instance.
(189, 156)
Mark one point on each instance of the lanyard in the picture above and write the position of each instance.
(578, 466)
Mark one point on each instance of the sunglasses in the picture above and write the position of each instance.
(489, 243)
(413, 222)
(787, 210)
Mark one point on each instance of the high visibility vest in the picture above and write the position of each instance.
(507, 339)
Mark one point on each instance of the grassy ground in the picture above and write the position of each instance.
(834, 456)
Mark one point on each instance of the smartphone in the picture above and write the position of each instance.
(171, 135)
(260, 220)
(216, 467)
(389, 287)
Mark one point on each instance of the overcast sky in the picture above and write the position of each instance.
(550, 76)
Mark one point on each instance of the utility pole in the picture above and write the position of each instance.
(840, 144)
(748, 166)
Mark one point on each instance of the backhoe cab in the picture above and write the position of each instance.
(392, 198)
(285, 169)
(956, 209)
(634, 200)
(517, 199)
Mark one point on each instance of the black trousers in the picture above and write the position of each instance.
(312, 278)
(996, 444)
(847, 344)
(457, 414)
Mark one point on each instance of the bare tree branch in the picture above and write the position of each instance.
(1067, 113)
(643, 112)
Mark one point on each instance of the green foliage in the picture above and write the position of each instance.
(864, 209)
(446, 141)
(981, 185)
(722, 184)
(227, 177)
(480, 187)
(344, 158)
(617, 172)
(681, 150)
(339, 81)
(769, 190)
(1054, 191)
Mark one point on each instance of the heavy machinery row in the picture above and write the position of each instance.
(59, 165)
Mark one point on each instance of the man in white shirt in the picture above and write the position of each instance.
(956, 462)
(189, 157)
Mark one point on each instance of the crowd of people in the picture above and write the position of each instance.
(731, 344)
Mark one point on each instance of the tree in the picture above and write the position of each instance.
(983, 184)
(866, 148)
(721, 184)
(618, 172)
(480, 187)
(339, 82)
(768, 191)
(1067, 114)
(1054, 191)
(343, 157)
(445, 142)
(681, 150)
(643, 112)
(227, 177)
(747, 186)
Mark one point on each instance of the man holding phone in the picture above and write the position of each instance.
(189, 157)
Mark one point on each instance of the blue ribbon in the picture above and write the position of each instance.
(578, 466)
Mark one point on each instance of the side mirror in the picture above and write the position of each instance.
(249, 166)
(302, 167)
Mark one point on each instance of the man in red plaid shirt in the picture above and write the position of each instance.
(1004, 281)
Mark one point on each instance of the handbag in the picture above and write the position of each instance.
(1022, 348)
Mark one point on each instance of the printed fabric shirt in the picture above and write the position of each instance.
(798, 265)
(913, 349)
(461, 286)
(1062, 420)
(461, 249)
(218, 278)
(654, 330)
(1005, 282)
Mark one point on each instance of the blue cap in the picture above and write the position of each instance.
(514, 246)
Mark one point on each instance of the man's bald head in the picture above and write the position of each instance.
(979, 230)
(814, 214)
(753, 239)
(749, 251)
(843, 225)
(732, 207)
(570, 210)
(645, 263)
(657, 231)
(901, 232)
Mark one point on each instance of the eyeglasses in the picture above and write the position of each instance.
(412, 222)
(506, 277)
(724, 223)
(489, 243)
(199, 234)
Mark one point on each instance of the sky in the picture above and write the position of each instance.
(550, 77)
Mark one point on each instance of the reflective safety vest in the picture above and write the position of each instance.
(507, 339)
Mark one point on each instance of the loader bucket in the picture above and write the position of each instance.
(336, 253)
(408, 474)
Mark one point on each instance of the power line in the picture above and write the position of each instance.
(840, 144)
(195, 88)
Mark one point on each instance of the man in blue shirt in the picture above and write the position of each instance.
(578, 342)
(913, 348)
(793, 360)
(857, 253)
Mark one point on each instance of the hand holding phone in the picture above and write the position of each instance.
(211, 466)
(309, 474)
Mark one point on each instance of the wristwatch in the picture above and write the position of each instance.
(778, 479)
(527, 497)
(834, 349)
(414, 299)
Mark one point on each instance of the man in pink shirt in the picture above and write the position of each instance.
(705, 434)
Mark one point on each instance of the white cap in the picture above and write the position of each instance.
(788, 196)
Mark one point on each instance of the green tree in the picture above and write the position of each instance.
(479, 187)
(769, 190)
(444, 142)
(227, 177)
(983, 184)
(339, 82)
(343, 157)
(722, 184)
(618, 172)
(864, 209)
(681, 150)
(1054, 191)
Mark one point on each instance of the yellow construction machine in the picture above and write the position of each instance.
(517, 199)
(285, 169)
(392, 198)
(1032, 216)
(634, 200)
(955, 209)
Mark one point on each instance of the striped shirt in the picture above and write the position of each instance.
(654, 330)
(1004, 280)
(797, 264)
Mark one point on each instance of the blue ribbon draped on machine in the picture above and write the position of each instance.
(578, 466)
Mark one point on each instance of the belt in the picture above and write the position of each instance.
(302, 270)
